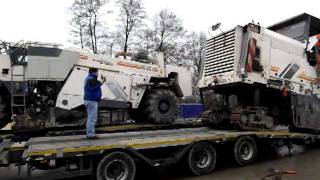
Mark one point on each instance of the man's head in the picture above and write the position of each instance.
(93, 71)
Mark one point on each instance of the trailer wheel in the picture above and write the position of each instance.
(116, 165)
(202, 158)
(245, 150)
(161, 106)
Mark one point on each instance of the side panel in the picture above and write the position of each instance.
(288, 62)
(222, 60)
(116, 88)
(185, 78)
(5, 64)
(261, 60)
(307, 112)
(137, 91)
(51, 68)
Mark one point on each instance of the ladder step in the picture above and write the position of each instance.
(18, 95)
(17, 75)
(18, 105)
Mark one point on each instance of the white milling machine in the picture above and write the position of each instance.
(42, 86)
(262, 77)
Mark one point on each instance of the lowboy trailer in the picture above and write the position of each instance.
(114, 155)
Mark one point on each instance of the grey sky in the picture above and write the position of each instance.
(47, 20)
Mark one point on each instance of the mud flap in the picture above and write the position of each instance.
(306, 112)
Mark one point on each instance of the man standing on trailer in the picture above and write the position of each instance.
(92, 97)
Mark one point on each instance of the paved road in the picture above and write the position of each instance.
(307, 165)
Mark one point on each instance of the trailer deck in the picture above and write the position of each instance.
(78, 145)
(41, 150)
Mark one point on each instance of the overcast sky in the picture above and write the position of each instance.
(47, 20)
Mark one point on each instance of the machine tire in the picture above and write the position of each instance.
(202, 158)
(245, 150)
(116, 165)
(160, 106)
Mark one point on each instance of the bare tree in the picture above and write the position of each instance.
(168, 29)
(86, 22)
(132, 14)
(92, 15)
(78, 30)
(77, 23)
(194, 54)
(196, 43)
(145, 40)
(109, 42)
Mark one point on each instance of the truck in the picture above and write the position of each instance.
(41, 86)
(120, 149)
(262, 77)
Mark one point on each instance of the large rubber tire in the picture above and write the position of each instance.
(116, 165)
(202, 158)
(245, 150)
(160, 106)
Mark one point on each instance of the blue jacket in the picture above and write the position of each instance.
(92, 88)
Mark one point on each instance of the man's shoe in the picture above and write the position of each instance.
(92, 137)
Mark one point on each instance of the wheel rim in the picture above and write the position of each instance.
(116, 170)
(203, 159)
(164, 106)
(246, 150)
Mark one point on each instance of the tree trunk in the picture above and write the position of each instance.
(95, 34)
(81, 36)
(111, 49)
(125, 49)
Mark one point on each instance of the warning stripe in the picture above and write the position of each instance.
(137, 66)
(252, 46)
(318, 43)
(83, 57)
(318, 57)
(274, 69)
(308, 78)
(127, 65)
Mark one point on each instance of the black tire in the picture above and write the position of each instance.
(160, 106)
(116, 165)
(202, 158)
(245, 150)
